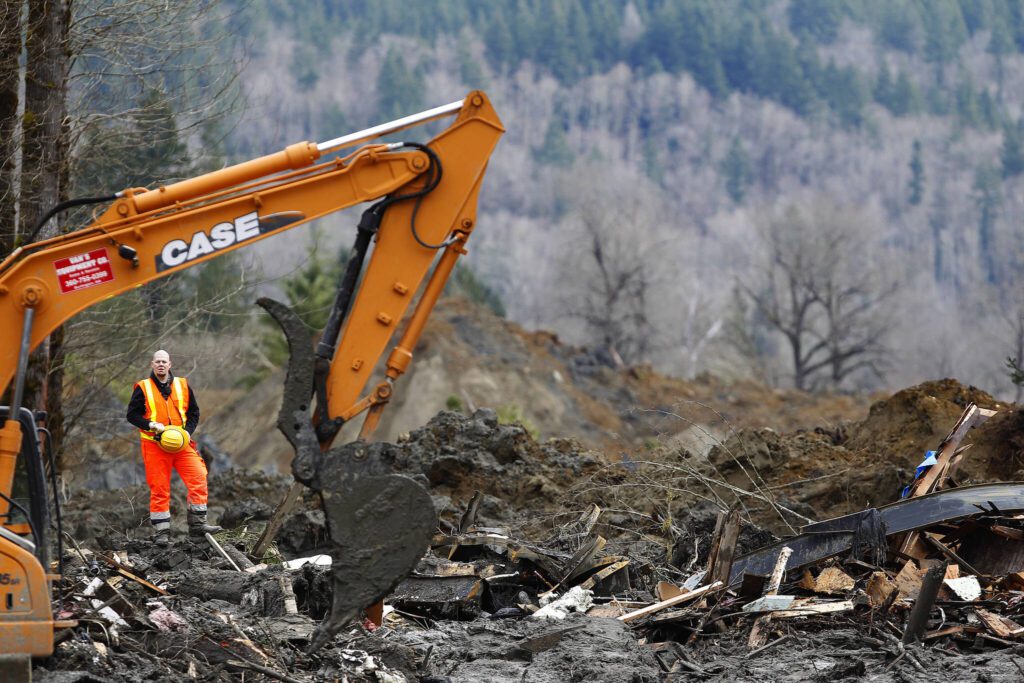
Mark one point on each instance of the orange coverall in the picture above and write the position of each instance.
(159, 463)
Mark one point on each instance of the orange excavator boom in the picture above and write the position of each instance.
(430, 195)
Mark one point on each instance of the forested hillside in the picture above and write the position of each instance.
(818, 192)
(812, 193)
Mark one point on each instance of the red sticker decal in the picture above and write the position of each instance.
(82, 271)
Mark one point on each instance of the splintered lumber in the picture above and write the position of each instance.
(723, 547)
(947, 457)
(832, 537)
(775, 580)
(810, 609)
(999, 625)
(619, 563)
(953, 630)
(671, 602)
(665, 590)
(908, 581)
(879, 588)
(216, 546)
(923, 605)
(833, 580)
(759, 631)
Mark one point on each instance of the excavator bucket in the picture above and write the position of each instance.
(379, 522)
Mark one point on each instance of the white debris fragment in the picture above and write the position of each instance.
(966, 587)
(166, 620)
(770, 603)
(694, 580)
(317, 560)
(576, 600)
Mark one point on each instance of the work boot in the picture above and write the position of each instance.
(162, 537)
(197, 526)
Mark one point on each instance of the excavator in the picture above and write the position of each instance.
(423, 210)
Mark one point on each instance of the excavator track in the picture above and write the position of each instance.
(380, 523)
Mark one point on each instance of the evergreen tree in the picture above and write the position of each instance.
(968, 109)
(737, 170)
(555, 149)
(846, 94)
(916, 187)
(465, 282)
(1012, 153)
(745, 47)
(399, 88)
(884, 90)
(500, 44)
(900, 25)
(817, 19)
(945, 32)
(989, 110)
(699, 38)
(987, 200)
(906, 99)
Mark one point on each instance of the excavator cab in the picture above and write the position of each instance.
(28, 511)
(26, 616)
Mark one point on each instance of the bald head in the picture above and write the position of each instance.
(161, 364)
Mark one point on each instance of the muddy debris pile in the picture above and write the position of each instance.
(572, 589)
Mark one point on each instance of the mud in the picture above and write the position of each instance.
(534, 491)
(843, 654)
(580, 648)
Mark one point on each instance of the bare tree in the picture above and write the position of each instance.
(813, 285)
(611, 264)
(103, 61)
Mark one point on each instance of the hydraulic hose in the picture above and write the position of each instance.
(64, 206)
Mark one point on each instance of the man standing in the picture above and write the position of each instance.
(158, 402)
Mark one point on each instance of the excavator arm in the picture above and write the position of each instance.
(427, 204)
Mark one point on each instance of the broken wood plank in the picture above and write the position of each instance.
(216, 546)
(665, 590)
(765, 647)
(879, 588)
(759, 631)
(152, 586)
(833, 580)
(600, 576)
(775, 580)
(942, 632)
(908, 581)
(664, 604)
(999, 625)
(926, 595)
(720, 565)
(933, 479)
(812, 609)
(950, 555)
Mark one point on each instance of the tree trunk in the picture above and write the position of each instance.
(44, 152)
(44, 156)
(10, 51)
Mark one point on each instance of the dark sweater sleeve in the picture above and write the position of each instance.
(137, 410)
(192, 415)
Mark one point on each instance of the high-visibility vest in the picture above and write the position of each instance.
(168, 411)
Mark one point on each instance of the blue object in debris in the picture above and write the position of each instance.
(929, 460)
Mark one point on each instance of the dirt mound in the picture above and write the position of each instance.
(469, 358)
(827, 472)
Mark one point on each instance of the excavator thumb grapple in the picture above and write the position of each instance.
(379, 522)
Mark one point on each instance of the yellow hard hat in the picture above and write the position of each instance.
(173, 439)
